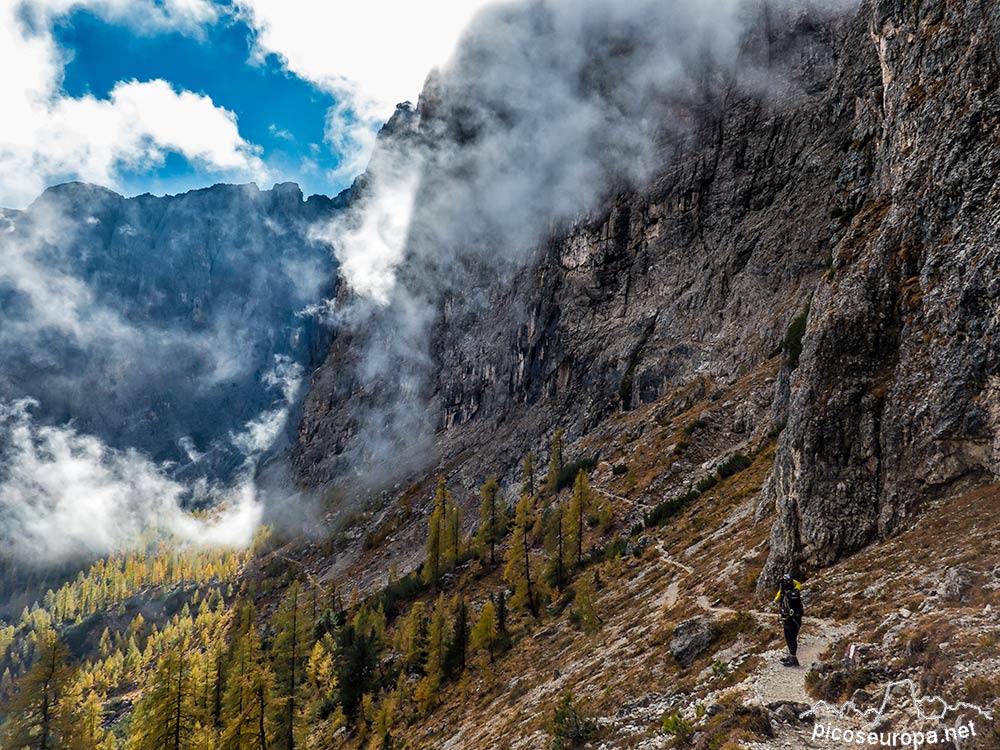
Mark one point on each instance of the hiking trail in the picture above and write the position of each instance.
(772, 682)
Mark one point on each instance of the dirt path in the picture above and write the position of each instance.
(671, 561)
(773, 682)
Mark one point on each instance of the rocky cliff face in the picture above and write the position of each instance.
(697, 273)
(859, 180)
(161, 323)
(896, 398)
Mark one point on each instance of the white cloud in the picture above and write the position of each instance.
(261, 433)
(46, 135)
(370, 243)
(379, 52)
(137, 124)
(145, 15)
(370, 55)
(64, 494)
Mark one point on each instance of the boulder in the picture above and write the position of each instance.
(692, 638)
(954, 585)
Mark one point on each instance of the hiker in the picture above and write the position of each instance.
(789, 597)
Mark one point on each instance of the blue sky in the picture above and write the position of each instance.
(167, 95)
(276, 110)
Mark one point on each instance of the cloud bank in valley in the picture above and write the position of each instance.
(64, 495)
(67, 495)
(138, 382)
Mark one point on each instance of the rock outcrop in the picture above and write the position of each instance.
(896, 398)
(692, 638)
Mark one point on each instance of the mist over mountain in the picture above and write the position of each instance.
(643, 393)
(161, 324)
(154, 350)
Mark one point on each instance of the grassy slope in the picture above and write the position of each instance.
(711, 553)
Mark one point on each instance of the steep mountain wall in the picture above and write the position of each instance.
(859, 178)
(161, 323)
(699, 272)
(896, 399)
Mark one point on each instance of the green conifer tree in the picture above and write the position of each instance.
(458, 644)
(356, 668)
(518, 568)
(492, 520)
(579, 506)
(501, 607)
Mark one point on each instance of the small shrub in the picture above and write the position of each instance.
(569, 471)
(737, 724)
(680, 447)
(401, 591)
(570, 728)
(697, 424)
(982, 690)
(678, 727)
(749, 582)
(992, 638)
(733, 465)
(813, 682)
(613, 550)
(619, 470)
(666, 510)
(706, 484)
(839, 684)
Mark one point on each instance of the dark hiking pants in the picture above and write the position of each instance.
(792, 626)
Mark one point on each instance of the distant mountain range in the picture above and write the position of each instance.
(163, 324)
